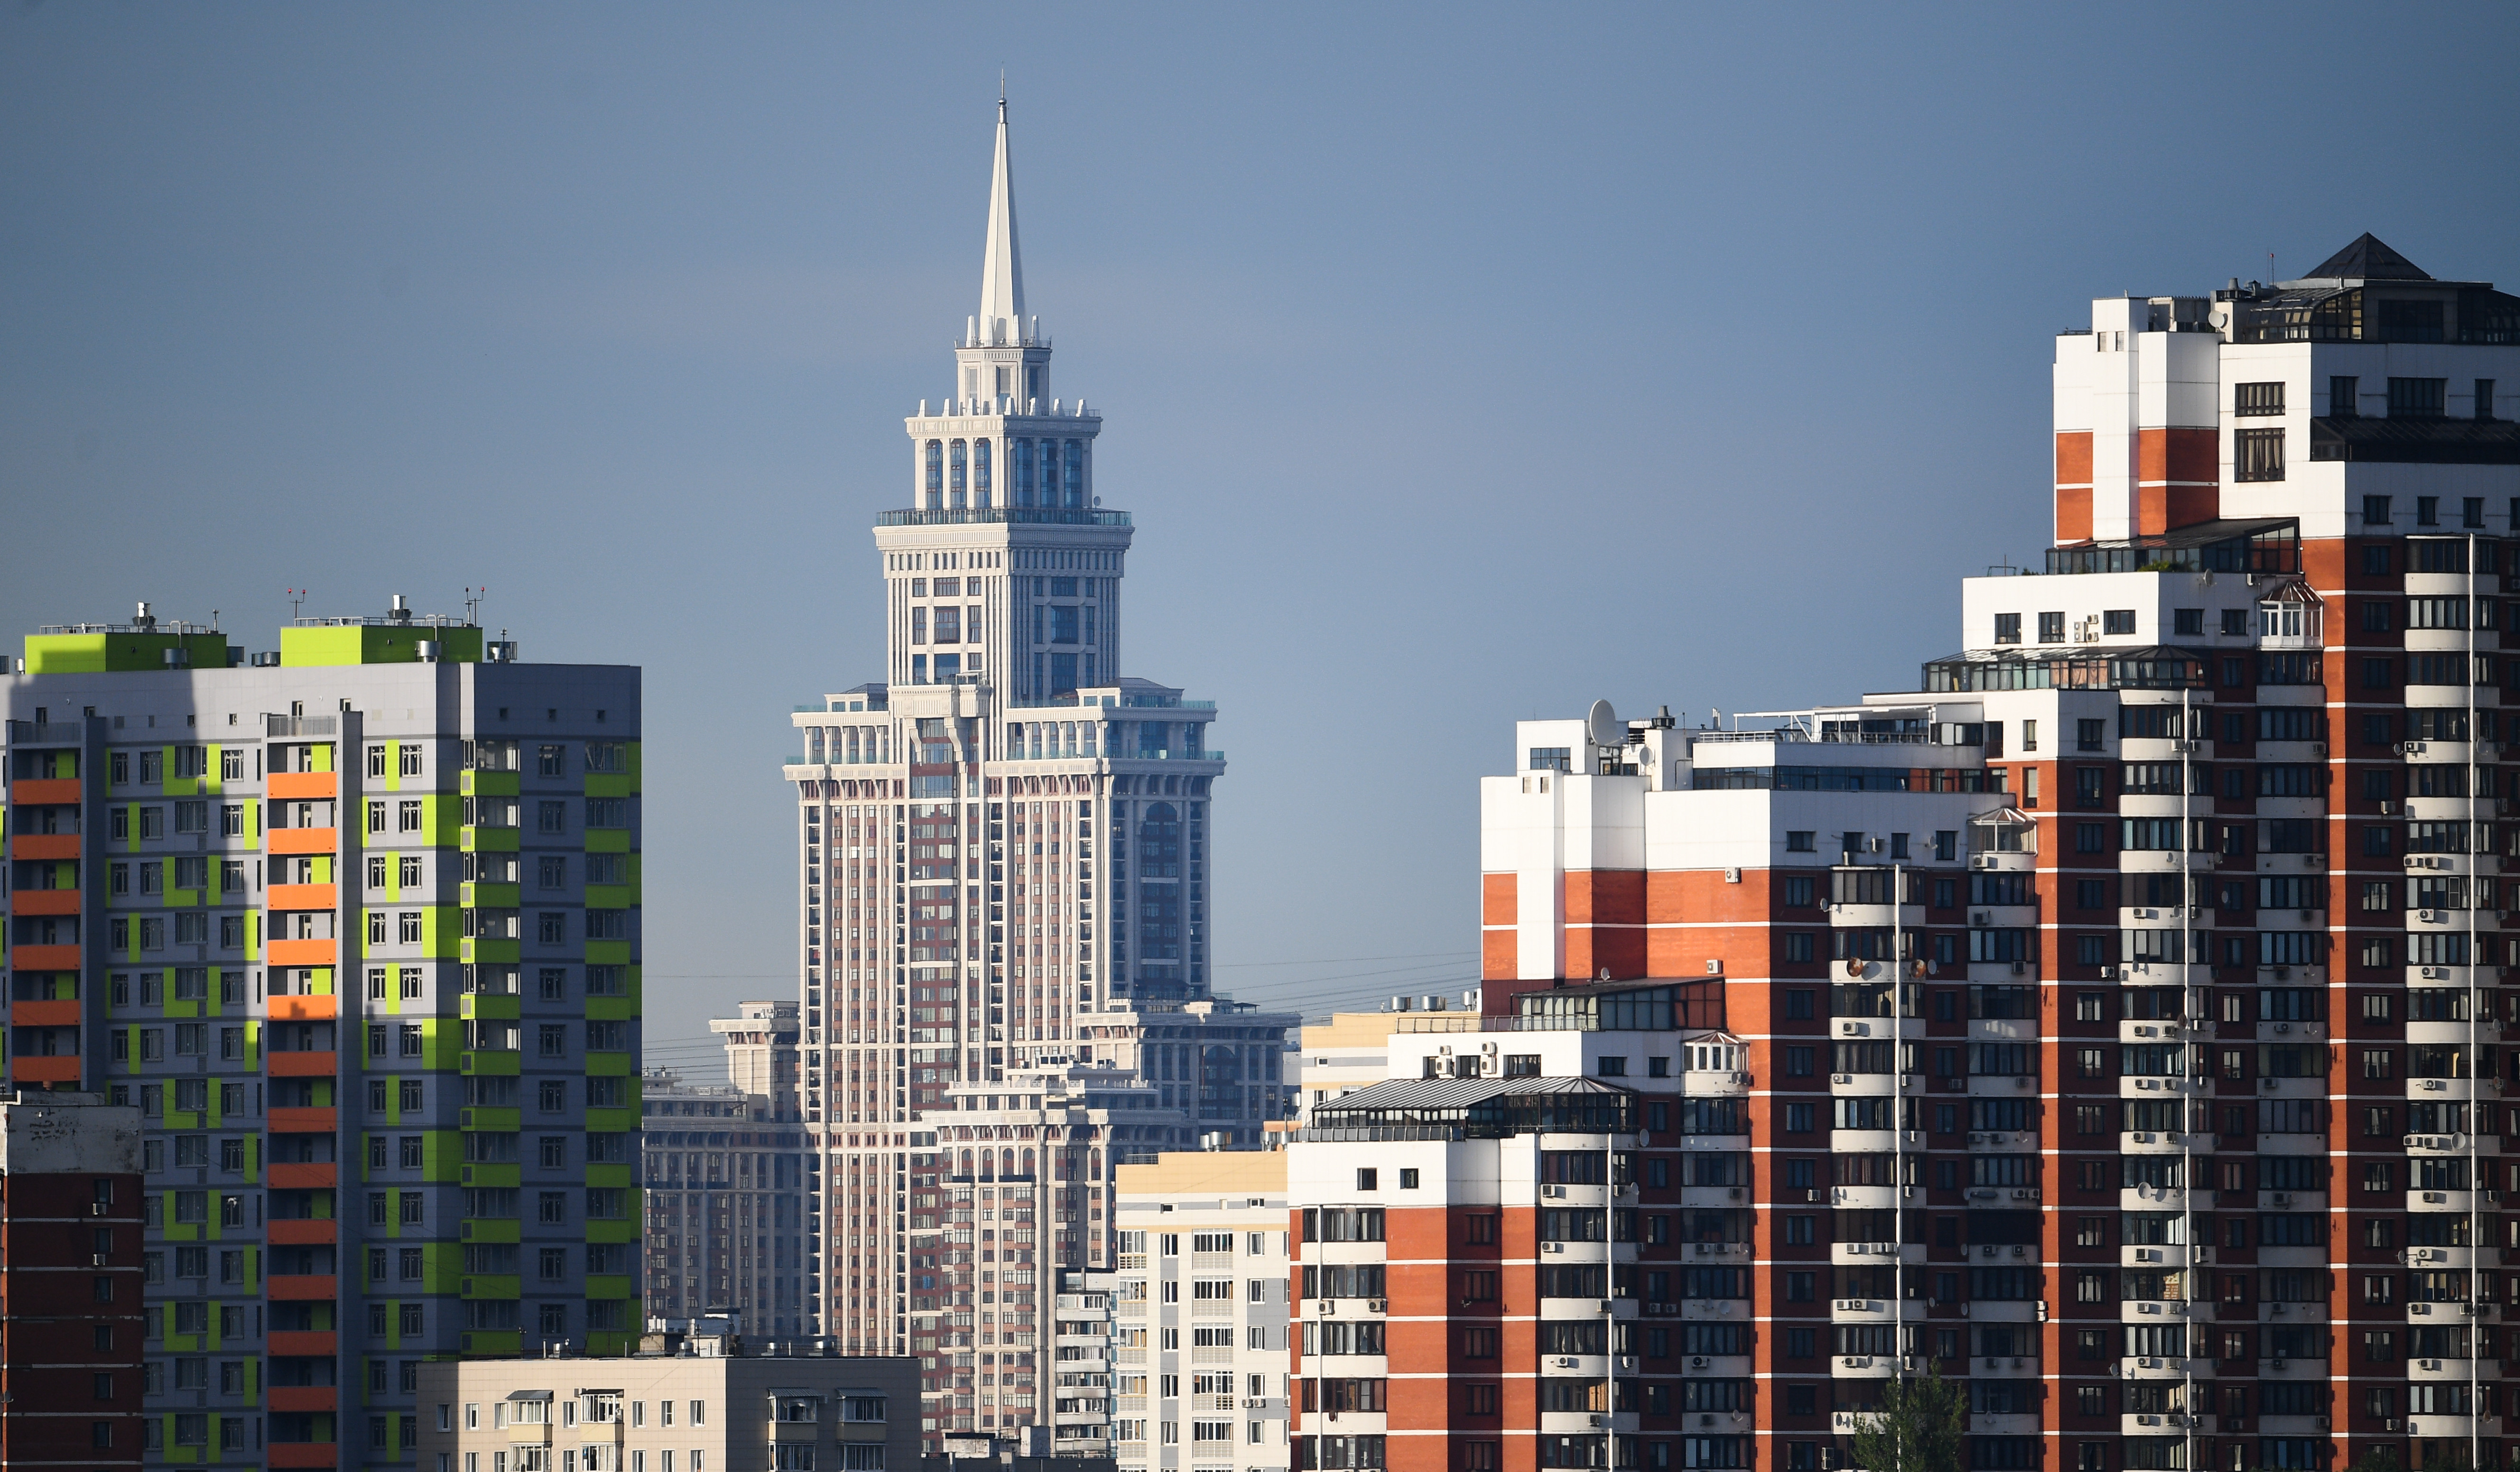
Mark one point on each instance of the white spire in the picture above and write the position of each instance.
(1002, 303)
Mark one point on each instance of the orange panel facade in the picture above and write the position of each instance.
(44, 958)
(43, 845)
(285, 785)
(300, 840)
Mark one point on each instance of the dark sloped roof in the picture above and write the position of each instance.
(2369, 260)
(1451, 1094)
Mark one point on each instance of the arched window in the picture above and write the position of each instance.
(966, 1162)
(959, 475)
(980, 472)
(1075, 473)
(1220, 1065)
(1019, 451)
(1159, 905)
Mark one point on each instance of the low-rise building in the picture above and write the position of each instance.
(689, 1402)
(1200, 1301)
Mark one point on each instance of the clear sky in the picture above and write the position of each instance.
(1459, 364)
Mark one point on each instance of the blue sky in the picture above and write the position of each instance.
(1460, 363)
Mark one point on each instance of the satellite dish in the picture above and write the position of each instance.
(1603, 725)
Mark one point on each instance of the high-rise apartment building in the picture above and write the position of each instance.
(1198, 1345)
(2115, 1023)
(1019, 1192)
(69, 1281)
(1005, 842)
(725, 1171)
(354, 924)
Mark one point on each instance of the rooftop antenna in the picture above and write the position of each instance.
(297, 602)
(472, 605)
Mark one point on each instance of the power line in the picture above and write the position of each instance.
(1338, 961)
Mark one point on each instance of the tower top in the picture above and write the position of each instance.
(1002, 303)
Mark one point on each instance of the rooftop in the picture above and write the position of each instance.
(1480, 1108)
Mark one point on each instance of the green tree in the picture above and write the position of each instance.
(1915, 1427)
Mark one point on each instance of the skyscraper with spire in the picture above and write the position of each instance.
(1004, 881)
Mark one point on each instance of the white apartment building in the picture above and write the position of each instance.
(1005, 843)
(1081, 1367)
(1199, 1313)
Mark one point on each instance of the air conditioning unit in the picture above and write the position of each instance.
(1981, 919)
(1378, 1305)
(1697, 1361)
(1981, 860)
(2148, 1362)
(2320, 1422)
(1854, 1029)
(2431, 1364)
(2108, 973)
(1552, 1190)
(1627, 1362)
(1552, 1247)
(1565, 1361)
(2142, 1136)
(1841, 1078)
(2147, 1420)
(2283, 1028)
(2429, 916)
(2274, 1364)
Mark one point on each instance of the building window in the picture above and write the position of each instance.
(2249, 399)
(2418, 398)
(2007, 628)
(2257, 455)
(2119, 621)
(2051, 628)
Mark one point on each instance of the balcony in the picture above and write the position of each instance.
(1861, 1254)
(1022, 515)
(300, 840)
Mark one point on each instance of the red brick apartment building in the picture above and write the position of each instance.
(70, 1282)
(2114, 1024)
